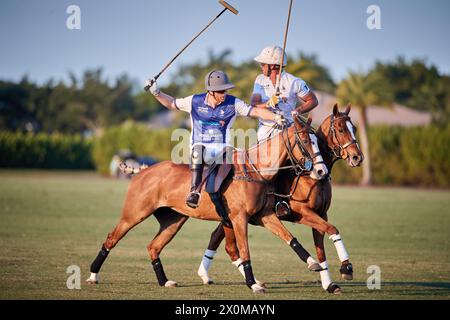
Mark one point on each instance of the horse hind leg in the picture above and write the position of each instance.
(126, 223)
(216, 239)
(170, 223)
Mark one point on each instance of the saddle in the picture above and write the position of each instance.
(214, 177)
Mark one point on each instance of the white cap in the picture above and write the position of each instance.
(271, 55)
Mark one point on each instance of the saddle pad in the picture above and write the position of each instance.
(217, 176)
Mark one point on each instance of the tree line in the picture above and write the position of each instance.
(92, 102)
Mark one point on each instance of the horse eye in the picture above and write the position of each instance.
(305, 141)
(341, 130)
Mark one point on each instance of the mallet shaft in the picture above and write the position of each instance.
(227, 7)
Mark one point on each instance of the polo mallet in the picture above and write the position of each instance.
(227, 7)
(284, 48)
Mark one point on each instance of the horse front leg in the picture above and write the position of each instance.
(346, 269)
(233, 252)
(325, 277)
(312, 219)
(240, 227)
(271, 222)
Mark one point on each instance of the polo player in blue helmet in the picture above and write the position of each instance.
(212, 116)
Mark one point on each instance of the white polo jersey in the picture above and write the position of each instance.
(291, 88)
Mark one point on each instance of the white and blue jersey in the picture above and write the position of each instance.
(211, 126)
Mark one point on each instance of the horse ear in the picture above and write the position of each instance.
(347, 110)
(335, 110)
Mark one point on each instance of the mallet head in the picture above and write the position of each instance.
(228, 6)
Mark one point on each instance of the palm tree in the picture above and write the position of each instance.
(309, 69)
(363, 90)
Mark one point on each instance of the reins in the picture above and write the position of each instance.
(296, 164)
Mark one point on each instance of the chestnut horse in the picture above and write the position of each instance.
(310, 199)
(158, 190)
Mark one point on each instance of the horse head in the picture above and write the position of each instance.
(340, 134)
(307, 156)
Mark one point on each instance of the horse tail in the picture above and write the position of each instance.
(126, 169)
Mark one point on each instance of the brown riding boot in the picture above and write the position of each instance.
(282, 209)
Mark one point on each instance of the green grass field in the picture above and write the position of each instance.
(51, 220)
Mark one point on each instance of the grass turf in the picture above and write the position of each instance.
(51, 220)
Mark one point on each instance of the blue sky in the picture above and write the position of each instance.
(139, 37)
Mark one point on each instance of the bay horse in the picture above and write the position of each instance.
(310, 199)
(157, 190)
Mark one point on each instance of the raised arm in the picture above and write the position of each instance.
(163, 98)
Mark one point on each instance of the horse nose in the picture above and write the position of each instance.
(356, 159)
(320, 172)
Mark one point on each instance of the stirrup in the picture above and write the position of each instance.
(287, 210)
(190, 202)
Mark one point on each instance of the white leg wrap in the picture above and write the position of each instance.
(206, 263)
(310, 261)
(340, 248)
(325, 277)
(93, 278)
(238, 265)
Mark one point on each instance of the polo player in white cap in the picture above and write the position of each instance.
(294, 95)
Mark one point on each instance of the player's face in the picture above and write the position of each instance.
(220, 96)
(268, 69)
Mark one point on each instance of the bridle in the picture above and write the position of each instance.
(300, 166)
(338, 148)
(308, 160)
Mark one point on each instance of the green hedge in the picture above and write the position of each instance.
(418, 156)
(134, 137)
(46, 151)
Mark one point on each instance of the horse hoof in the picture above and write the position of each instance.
(170, 284)
(347, 271)
(256, 288)
(315, 267)
(91, 281)
(261, 284)
(334, 288)
(347, 277)
(206, 280)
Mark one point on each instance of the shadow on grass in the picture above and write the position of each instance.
(407, 288)
(411, 288)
